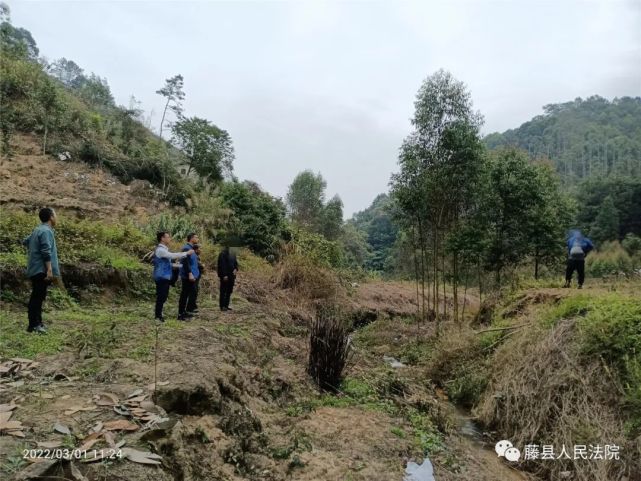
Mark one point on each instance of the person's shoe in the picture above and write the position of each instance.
(188, 315)
(41, 329)
(191, 313)
(229, 308)
(183, 317)
(194, 310)
(160, 319)
(580, 286)
(566, 285)
(223, 309)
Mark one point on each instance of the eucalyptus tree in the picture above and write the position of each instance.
(440, 163)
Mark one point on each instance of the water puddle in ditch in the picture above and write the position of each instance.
(419, 472)
(477, 443)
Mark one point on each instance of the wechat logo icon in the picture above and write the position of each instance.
(506, 449)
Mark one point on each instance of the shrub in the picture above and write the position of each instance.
(306, 279)
(611, 260)
(632, 244)
(316, 248)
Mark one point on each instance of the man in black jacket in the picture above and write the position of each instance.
(227, 270)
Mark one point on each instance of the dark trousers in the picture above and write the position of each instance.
(191, 301)
(577, 265)
(38, 295)
(226, 288)
(162, 292)
(187, 292)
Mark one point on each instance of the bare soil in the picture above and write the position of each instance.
(32, 180)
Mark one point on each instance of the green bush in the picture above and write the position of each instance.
(611, 260)
(632, 244)
(316, 248)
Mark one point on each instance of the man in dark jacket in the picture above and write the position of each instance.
(578, 248)
(227, 270)
(42, 266)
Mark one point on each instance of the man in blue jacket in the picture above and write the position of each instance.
(189, 274)
(578, 248)
(163, 269)
(42, 266)
(192, 302)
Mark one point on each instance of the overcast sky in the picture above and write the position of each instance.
(329, 86)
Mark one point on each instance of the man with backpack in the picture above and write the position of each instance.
(578, 248)
(189, 274)
(162, 260)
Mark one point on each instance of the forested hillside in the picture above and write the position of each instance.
(594, 145)
(583, 138)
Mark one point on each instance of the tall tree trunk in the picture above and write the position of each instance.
(435, 281)
(444, 283)
(467, 271)
(478, 269)
(44, 142)
(162, 121)
(455, 284)
(421, 233)
(416, 275)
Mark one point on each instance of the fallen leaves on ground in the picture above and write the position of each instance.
(142, 457)
(12, 428)
(120, 425)
(61, 428)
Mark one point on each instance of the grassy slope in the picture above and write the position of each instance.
(568, 373)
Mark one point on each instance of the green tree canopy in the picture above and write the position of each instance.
(306, 198)
(258, 219)
(209, 149)
(606, 224)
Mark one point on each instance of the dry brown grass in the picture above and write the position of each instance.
(307, 281)
(540, 393)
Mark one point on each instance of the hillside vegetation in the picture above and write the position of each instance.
(593, 137)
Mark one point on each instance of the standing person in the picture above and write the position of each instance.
(227, 270)
(189, 273)
(192, 302)
(163, 270)
(42, 266)
(578, 248)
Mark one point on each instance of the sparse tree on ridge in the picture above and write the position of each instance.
(173, 92)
